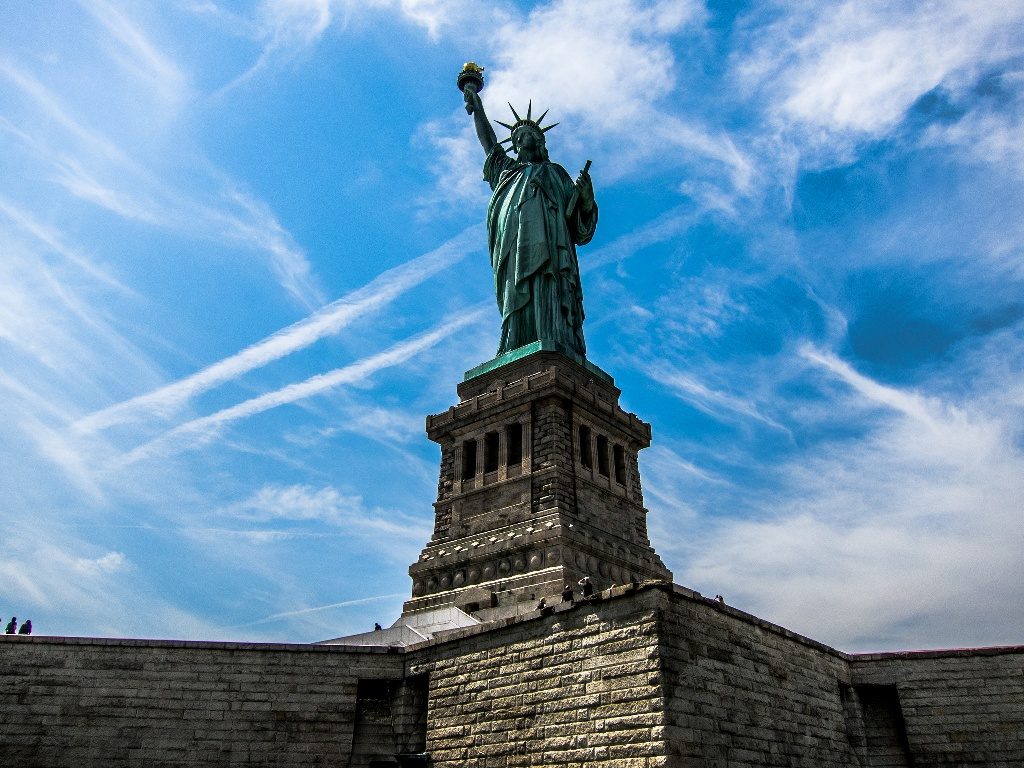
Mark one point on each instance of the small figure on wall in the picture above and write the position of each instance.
(587, 587)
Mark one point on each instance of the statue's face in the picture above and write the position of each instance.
(527, 139)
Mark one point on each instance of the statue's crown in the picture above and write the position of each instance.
(521, 121)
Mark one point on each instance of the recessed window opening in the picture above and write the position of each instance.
(585, 458)
(491, 452)
(468, 459)
(620, 464)
(514, 444)
(602, 455)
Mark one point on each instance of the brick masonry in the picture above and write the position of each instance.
(960, 708)
(515, 524)
(99, 702)
(581, 686)
(659, 676)
(741, 692)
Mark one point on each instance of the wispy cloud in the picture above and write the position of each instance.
(912, 527)
(906, 403)
(73, 587)
(55, 242)
(45, 100)
(712, 402)
(664, 227)
(93, 168)
(601, 49)
(303, 503)
(842, 72)
(287, 29)
(667, 477)
(206, 428)
(46, 318)
(332, 318)
(137, 53)
(320, 608)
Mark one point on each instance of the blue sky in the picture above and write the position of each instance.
(243, 257)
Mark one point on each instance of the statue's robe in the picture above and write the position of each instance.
(533, 243)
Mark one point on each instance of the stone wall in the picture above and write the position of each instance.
(959, 708)
(667, 677)
(659, 676)
(580, 686)
(95, 702)
(743, 692)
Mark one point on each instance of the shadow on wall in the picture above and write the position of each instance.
(390, 723)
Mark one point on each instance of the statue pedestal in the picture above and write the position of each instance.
(515, 355)
(539, 487)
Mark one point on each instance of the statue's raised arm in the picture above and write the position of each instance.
(536, 218)
(471, 81)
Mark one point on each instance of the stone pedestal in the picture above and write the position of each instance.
(539, 487)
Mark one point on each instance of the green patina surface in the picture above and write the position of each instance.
(542, 345)
(536, 218)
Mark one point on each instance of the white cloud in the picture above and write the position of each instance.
(840, 72)
(110, 563)
(84, 185)
(437, 15)
(908, 404)
(608, 73)
(300, 502)
(304, 504)
(388, 426)
(294, 22)
(665, 227)
(457, 167)
(287, 28)
(258, 227)
(43, 99)
(993, 137)
(48, 319)
(614, 55)
(912, 530)
(55, 242)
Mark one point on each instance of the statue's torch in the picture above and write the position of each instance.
(470, 76)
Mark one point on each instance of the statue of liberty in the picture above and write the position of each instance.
(536, 218)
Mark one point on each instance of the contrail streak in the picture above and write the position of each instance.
(205, 428)
(325, 322)
(304, 611)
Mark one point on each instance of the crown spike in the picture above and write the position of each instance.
(506, 141)
(541, 118)
(529, 109)
(504, 125)
(545, 130)
(514, 113)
